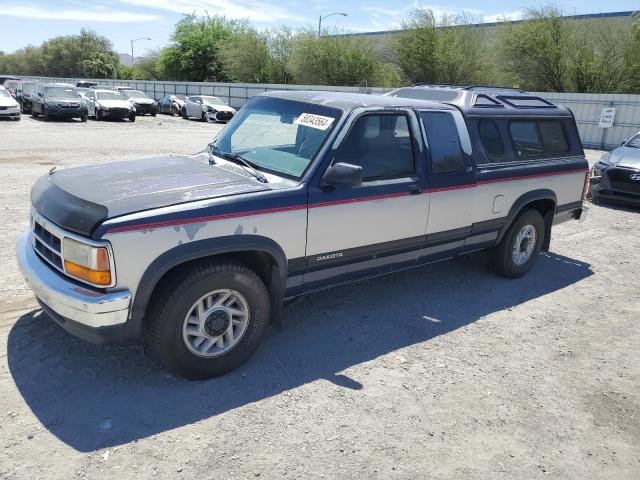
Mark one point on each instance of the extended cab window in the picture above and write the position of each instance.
(381, 145)
(491, 139)
(444, 142)
(533, 139)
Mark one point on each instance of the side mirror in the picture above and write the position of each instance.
(342, 174)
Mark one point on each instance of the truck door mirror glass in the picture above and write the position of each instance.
(342, 174)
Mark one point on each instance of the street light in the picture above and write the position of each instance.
(325, 16)
(132, 42)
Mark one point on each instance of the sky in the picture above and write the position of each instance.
(24, 22)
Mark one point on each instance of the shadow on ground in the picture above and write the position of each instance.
(96, 397)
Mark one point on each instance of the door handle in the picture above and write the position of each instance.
(414, 190)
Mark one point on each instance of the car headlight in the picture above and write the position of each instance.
(596, 172)
(86, 262)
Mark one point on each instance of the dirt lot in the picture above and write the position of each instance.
(442, 372)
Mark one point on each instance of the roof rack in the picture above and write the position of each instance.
(468, 87)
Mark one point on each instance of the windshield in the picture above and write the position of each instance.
(109, 96)
(633, 141)
(28, 87)
(61, 92)
(134, 94)
(212, 101)
(12, 84)
(4, 93)
(281, 136)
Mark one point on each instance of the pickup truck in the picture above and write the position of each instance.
(195, 255)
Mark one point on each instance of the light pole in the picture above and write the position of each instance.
(132, 42)
(322, 17)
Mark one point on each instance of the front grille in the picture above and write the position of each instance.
(118, 112)
(225, 115)
(620, 179)
(3, 108)
(47, 245)
(143, 108)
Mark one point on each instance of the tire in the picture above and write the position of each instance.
(174, 111)
(34, 114)
(511, 263)
(203, 117)
(45, 114)
(99, 115)
(184, 114)
(132, 117)
(173, 307)
(83, 118)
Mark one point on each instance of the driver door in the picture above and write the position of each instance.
(378, 226)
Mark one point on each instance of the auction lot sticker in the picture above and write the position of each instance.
(314, 121)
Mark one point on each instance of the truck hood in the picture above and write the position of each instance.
(626, 157)
(79, 199)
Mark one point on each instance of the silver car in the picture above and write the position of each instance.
(207, 108)
(616, 176)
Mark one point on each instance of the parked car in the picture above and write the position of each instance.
(4, 78)
(86, 84)
(103, 104)
(172, 104)
(616, 176)
(83, 91)
(55, 100)
(207, 108)
(12, 85)
(301, 191)
(9, 107)
(24, 95)
(144, 104)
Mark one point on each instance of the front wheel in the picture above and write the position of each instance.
(132, 117)
(98, 115)
(184, 113)
(518, 251)
(208, 320)
(83, 118)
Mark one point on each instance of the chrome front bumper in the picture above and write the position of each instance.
(70, 300)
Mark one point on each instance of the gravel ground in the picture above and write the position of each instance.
(442, 372)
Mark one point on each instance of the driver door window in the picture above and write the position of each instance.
(381, 145)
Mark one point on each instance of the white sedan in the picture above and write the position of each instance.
(207, 108)
(8, 105)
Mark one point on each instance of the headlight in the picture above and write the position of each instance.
(86, 262)
(596, 172)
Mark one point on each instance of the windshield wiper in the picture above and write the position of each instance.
(234, 157)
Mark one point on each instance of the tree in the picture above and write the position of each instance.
(280, 43)
(333, 60)
(245, 56)
(439, 50)
(147, 67)
(633, 85)
(549, 52)
(195, 50)
(87, 55)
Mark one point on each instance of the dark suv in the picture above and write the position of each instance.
(25, 91)
(53, 100)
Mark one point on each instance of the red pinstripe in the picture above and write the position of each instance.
(266, 211)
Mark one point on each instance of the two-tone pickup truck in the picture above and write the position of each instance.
(195, 255)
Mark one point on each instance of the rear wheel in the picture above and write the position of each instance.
(518, 251)
(208, 320)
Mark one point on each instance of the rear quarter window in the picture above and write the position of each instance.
(444, 142)
(491, 140)
(538, 138)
